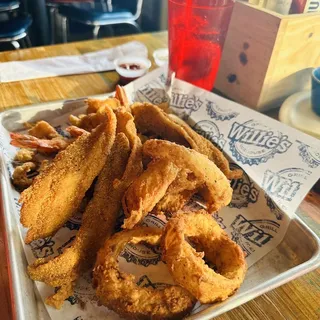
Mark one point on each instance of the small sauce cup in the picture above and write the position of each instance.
(130, 68)
(161, 57)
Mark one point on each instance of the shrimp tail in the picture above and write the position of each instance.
(42, 145)
(23, 141)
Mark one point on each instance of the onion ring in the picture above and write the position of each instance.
(186, 265)
(118, 291)
(216, 191)
(179, 193)
(150, 119)
(146, 191)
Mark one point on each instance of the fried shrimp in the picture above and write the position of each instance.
(41, 145)
(119, 292)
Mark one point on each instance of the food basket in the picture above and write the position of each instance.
(293, 251)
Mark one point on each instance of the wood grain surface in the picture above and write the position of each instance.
(298, 299)
(271, 61)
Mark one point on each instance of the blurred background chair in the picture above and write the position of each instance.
(14, 24)
(53, 7)
(94, 13)
(7, 6)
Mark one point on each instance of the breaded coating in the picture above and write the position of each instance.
(204, 146)
(151, 120)
(123, 165)
(125, 124)
(98, 225)
(20, 175)
(57, 191)
(88, 122)
(95, 104)
(179, 192)
(43, 130)
(147, 190)
(119, 292)
(216, 189)
(186, 264)
(24, 155)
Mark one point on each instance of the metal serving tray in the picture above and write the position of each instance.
(297, 254)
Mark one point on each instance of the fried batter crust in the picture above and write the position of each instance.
(123, 165)
(118, 291)
(150, 119)
(188, 268)
(145, 192)
(216, 189)
(57, 191)
(98, 224)
(179, 193)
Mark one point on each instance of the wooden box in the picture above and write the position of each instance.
(268, 56)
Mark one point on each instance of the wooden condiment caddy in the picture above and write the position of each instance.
(268, 56)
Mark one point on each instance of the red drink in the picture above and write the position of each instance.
(197, 30)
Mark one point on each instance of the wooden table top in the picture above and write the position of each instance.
(295, 300)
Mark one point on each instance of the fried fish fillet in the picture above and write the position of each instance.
(123, 165)
(150, 119)
(145, 192)
(98, 224)
(57, 191)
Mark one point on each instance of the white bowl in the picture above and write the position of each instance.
(144, 63)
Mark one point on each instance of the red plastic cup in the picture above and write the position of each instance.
(197, 31)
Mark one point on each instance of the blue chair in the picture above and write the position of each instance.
(6, 6)
(53, 6)
(15, 29)
(106, 16)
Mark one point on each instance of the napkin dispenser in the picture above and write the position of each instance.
(268, 56)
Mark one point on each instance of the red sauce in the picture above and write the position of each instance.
(131, 66)
(125, 80)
